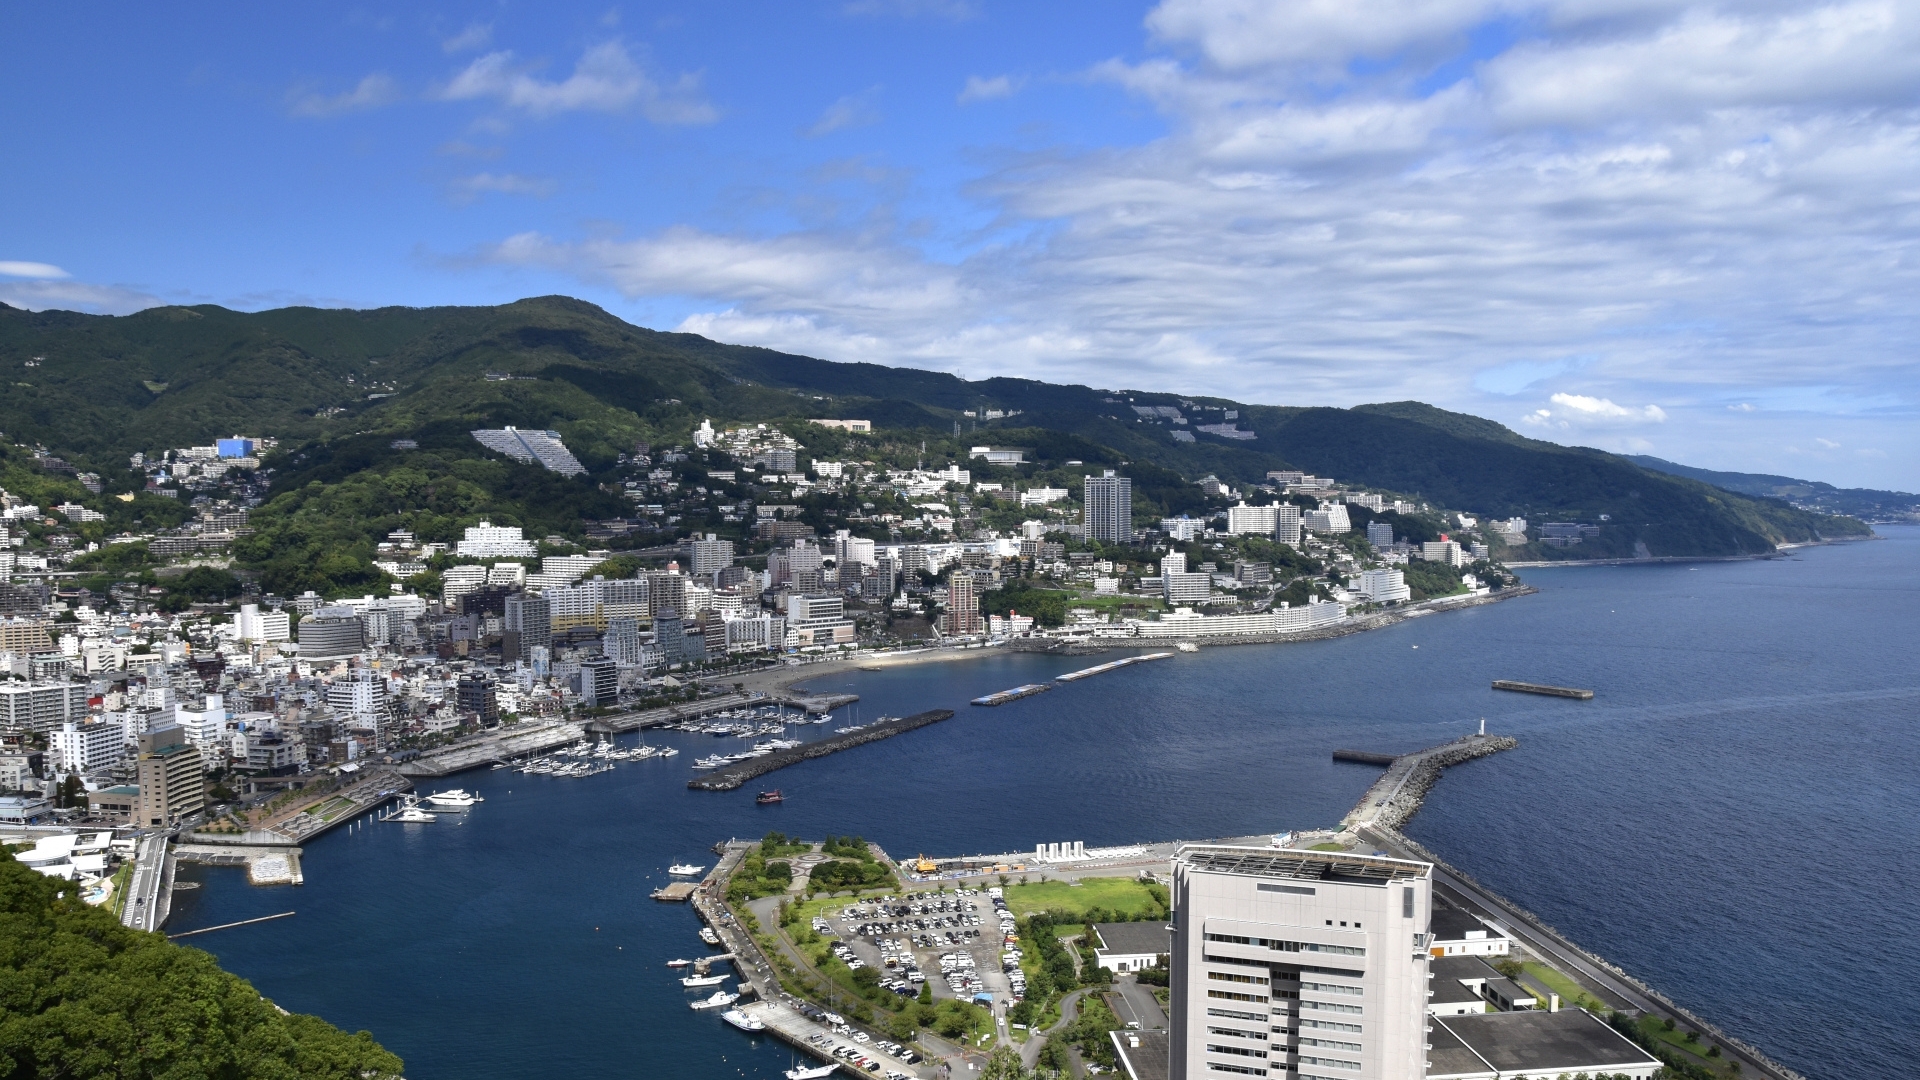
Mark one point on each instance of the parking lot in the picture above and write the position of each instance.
(956, 941)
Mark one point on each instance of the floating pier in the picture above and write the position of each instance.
(1114, 665)
(734, 775)
(1537, 688)
(1014, 694)
(677, 893)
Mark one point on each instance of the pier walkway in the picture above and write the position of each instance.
(523, 738)
(1397, 795)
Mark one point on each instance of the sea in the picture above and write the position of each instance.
(1734, 817)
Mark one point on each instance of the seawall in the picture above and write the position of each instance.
(734, 775)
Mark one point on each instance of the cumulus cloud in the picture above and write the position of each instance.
(985, 89)
(851, 111)
(19, 268)
(369, 93)
(606, 79)
(474, 36)
(1700, 203)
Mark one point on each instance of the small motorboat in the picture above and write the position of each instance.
(742, 1020)
(720, 999)
(801, 1072)
(707, 935)
(695, 981)
(684, 869)
(679, 963)
(766, 798)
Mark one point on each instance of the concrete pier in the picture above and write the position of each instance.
(1396, 796)
(524, 738)
(618, 723)
(734, 775)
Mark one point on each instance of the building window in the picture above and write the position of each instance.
(1406, 902)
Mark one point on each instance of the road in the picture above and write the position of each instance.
(146, 906)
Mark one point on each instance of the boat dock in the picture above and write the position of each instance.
(1112, 665)
(522, 738)
(1014, 694)
(1537, 688)
(639, 720)
(678, 892)
(734, 775)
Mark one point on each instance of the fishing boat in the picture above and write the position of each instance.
(707, 935)
(766, 798)
(742, 1020)
(801, 1072)
(679, 963)
(693, 982)
(684, 869)
(719, 1000)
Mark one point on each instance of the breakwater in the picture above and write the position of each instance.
(734, 775)
(1397, 795)
(1113, 665)
(1014, 694)
(1537, 688)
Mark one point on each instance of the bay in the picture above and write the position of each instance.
(1733, 818)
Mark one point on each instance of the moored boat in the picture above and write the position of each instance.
(801, 1072)
(720, 999)
(695, 981)
(742, 1020)
(684, 869)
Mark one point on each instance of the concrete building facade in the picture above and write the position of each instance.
(170, 779)
(1109, 508)
(1301, 963)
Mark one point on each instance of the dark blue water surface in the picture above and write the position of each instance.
(1734, 818)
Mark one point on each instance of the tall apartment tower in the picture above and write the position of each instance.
(1286, 524)
(963, 605)
(529, 625)
(1300, 964)
(171, 784)
(1109, 508)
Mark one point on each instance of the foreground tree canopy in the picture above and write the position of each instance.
(83, 997)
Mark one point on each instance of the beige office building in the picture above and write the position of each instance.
(1300, 964)
(171, 782)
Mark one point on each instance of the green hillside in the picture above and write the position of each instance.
(337, 387)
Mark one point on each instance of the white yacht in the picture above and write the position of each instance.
(409, 812)
(457, 799)
(742, 1020)
(707, 935)
(694, 982)
(801, 1072)
(684, 869)
(666, 751)
(719, 1000)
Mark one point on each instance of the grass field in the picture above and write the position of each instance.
(1075, 900)
(1569, 991)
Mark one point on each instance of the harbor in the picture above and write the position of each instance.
(732, 776)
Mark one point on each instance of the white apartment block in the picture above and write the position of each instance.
(487, 540)
(1304, 964)
(1286, 524)
(42, 707)
(1443, 551)
(252, 624)
(1382, 586)
(1244, 520)
(86, 748)
(1330, 519)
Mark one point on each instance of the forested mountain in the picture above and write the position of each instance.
(1867, 503)
(337, 386)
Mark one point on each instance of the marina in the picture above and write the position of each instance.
(1112, 665)
(732, 776)
(1537, 688)
(1014, 694)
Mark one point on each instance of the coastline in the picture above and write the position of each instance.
(788, 679)
(1668, 560)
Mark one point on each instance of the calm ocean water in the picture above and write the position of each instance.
(1734, 818)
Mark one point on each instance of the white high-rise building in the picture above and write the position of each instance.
(1108, 507)
(203, 727)
(710, 555)
(86, 748)
(1331, 518)
(1382, 586)
(487, 541)
(1304, 964)
(1286, 524)
(1244, 520)
(252, 624)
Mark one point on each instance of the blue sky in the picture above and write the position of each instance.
(1651, 227)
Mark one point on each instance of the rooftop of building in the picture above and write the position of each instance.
(1455, 968)
(1304, 865)
(1532, 1042)
(1151, 1060)
(1452, 924)
(1147, 938)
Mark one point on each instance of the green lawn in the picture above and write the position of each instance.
(1677, 1039)
(1114, 894)
(1329, 846)
(1570, 992)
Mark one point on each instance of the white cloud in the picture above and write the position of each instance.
(475, 36)
(467, 188)
(1702, 204)
(76, 296)
(985, 89)
(1826, 444)
(369, 93)
(17, 268)
(851, 111)
(606, 79)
